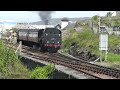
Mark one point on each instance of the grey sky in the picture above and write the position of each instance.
(30, 16)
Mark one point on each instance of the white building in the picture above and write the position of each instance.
(64, 23)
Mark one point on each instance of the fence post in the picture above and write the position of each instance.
(20, 46)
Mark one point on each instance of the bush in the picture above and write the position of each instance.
(10, 64)
(42, 72)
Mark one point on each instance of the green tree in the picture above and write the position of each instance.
(81, 23)
(109, 14)
(65, 19)
(95, 18)
(14, 29)
(116, 23)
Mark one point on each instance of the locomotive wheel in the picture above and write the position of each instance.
(43, 48)
(17, 41)
(35, 47)
(52, 50)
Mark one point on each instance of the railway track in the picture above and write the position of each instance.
(99, 69)
(93, 70)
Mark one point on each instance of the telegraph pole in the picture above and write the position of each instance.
(99, 23)
(100, 35)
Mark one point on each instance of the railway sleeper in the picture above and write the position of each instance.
(88, 68)
(79, 68)
(95, 70)
(100, 71)
(111, 72)
(105, 72)
(116, 75)
(82, 68)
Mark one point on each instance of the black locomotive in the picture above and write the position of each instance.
(48, 39)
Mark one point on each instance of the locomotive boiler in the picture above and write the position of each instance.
(48, 39)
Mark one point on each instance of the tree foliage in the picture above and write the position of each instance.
(95, 18)
(116, 23)
(14, 29)
(42, 72)
(81, 23)
(65, 19)
(109, 14)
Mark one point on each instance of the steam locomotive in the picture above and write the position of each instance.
(46, 40)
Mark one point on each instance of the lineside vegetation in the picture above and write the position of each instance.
(87, 39)
(12, 68)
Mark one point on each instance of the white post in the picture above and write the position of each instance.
(20, 46)
(106, 55)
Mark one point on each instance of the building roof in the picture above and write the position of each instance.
(29, 26)
(42, 26)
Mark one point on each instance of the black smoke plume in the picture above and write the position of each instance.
(45, 16)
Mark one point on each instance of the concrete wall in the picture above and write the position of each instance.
(117, 13)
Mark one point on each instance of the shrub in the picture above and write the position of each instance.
(42, 72)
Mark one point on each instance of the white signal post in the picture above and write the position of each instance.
(103, 43)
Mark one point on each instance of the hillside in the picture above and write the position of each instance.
(86, 44)
(55, 21)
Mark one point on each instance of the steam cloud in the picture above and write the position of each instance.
(45, 16)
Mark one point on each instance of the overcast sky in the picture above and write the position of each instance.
(29, 16)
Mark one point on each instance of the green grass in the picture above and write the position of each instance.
(113, 41)
(113, 57)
